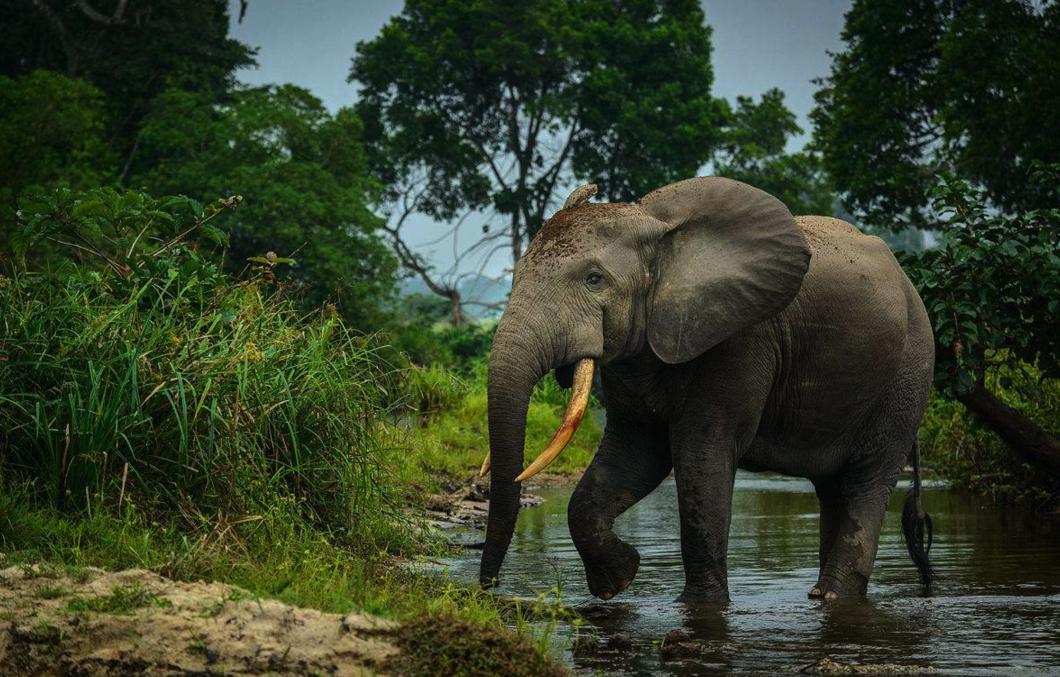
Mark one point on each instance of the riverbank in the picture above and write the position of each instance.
(88, 621)
(204, 430)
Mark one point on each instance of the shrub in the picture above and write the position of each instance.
(158, 379)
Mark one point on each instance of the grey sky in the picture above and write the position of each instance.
(758, 44)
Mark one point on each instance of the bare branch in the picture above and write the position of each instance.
(72, 55)
(99, 17)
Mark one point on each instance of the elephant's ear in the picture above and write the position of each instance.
(733, 257)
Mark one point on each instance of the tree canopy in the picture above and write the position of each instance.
(754, 151)
(131, 51)
(303, 175)
(932, 85)
(495, 104)
(53, 129)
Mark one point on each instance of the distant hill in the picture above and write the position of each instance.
(476, 288)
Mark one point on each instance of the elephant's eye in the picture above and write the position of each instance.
(594, 280)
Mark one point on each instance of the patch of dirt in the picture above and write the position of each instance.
(136, 622)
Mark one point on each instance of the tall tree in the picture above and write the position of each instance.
(497, 103)
(303, 175)
(754, 151)
(926, 86)
(130, 49)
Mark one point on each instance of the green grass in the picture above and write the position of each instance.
(276, 557)
(173, 419)
(123, 599)
(450, 440)
(191, 400)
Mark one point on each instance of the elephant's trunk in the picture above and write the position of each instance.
(514, 369)
(522, 353)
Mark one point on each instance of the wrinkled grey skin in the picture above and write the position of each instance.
(728, 335)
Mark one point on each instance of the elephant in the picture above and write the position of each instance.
(727, 334)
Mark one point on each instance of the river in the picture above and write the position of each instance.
(995, 607)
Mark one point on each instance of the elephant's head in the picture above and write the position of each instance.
(678, 272)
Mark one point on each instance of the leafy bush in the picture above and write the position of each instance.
(992, 288)
(160, 380)
(972, 456)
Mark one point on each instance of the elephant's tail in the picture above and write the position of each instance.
(916, 524)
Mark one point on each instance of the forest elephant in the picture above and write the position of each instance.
(727, 334)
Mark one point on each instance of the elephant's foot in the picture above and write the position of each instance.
(714, 589)
(612, 571)
(831, 587)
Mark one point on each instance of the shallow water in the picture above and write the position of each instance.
(995, 608)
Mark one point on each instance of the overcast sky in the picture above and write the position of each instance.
(758, 44)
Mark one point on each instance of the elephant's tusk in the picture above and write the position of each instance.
(583, 383)
(485, 466)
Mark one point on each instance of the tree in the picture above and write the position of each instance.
(131, 50)
(51, 131)
(992, 288)
(303, 175)
(754, 152)
(931, 86)
(496, 104)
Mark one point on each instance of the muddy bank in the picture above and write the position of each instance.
(130, 622)
(136, 622)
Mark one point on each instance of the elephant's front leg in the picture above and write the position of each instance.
(631, 462)
(705, 470)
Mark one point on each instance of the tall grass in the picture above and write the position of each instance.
(193, 399)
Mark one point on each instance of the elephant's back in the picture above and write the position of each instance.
(851, 270)
(848, 326)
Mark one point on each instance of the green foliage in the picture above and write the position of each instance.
(453, 91)
(932, 85)
(992, 288)
(131, 56)
(452, 438)
(52, 130)
(754, 152)
(972, 456)
(135, 235)
(303, 172)
(172, 386)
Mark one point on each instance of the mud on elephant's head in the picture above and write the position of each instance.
(676, 273)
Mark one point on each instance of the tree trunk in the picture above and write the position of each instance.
(1030, 442)
(457, 317)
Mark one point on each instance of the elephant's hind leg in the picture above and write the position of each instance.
(851, 519)
(629, 465)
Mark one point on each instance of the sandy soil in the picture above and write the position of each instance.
(136, 622)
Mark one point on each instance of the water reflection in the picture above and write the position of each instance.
(996, 606)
